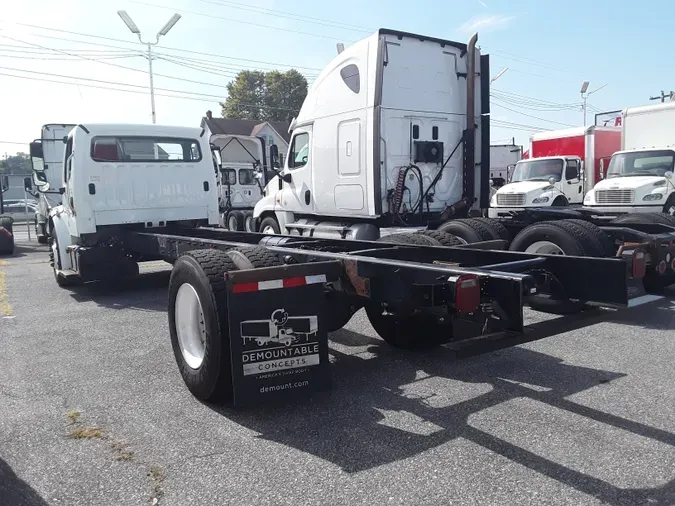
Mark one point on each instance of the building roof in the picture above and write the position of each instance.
(245, 127)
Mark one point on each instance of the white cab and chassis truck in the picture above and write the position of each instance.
(640, 177)
(46, 154)
(136, 193)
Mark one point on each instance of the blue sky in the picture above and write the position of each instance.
(549, 47)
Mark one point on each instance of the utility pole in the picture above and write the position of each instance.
(663, 96)
(134, 29)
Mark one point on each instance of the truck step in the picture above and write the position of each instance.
(307, 226)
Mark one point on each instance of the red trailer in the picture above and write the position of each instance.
(588, 143)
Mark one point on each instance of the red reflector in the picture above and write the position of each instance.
(661, 268)
(297, 281)
(639, 267)
(245, 287)
(5, 231)
(467, 293)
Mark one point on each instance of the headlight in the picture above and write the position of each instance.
(652, 197)
(540, 200)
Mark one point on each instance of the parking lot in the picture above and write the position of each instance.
(94, 411)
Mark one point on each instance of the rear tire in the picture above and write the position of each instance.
(206, 370)
(55, 256)
(442, 238)
(248, 221)
(499, 231)
(255, 257)
(7, 223)
(409, 332)
(570, 239)
(469, 230)
(235, 221)
(409, 238)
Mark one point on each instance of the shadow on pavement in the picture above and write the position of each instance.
(14, 491)
(352, 426)
(145, 292)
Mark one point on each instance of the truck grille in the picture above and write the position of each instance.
(511, 199)
(614, 196)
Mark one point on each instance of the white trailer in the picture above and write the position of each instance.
(639, 178)
(503, 158)
(47, 161)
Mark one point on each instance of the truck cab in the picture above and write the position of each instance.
(119, 177)
(636, 181)
(540, 182)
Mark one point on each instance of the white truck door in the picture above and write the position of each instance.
(297, 195)
(573, 183)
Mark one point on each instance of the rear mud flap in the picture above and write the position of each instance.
(278, 332)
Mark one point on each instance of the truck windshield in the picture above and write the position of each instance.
(641, 163)
(538, 170)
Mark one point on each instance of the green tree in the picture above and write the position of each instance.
(265, 96)
(16, 164)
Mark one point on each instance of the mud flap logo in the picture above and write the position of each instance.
(280, 343)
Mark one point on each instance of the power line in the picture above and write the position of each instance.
(530, 116)
(288, 15)
(165, 48)
(211, 16)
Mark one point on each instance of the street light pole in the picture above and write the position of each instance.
(499, 74)
(585, 94)
(134, 29)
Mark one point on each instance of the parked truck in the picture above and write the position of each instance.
(46, 154)
(562, 166)
(6, 222)
(503, 159)
(640, 175)
(123, 205)
(243, 172)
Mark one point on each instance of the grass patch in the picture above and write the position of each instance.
(73, 416)
(5, 308)
(86, 433)
(122, 451)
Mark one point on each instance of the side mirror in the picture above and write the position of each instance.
(36, 149)
(39, 181)
(668, 174)
(4, 183)
(28, 184)
(287, 178)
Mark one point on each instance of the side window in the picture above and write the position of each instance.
(572, 170)
(246, 177)
(299, 151)
(350, 76)
(68, 165)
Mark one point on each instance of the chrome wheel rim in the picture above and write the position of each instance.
(190, 326)
(544, 248)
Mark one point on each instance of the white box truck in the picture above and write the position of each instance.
(639, 178)
(503, 158)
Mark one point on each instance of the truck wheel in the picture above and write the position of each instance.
(235, 221)
(254, 257)
(55, 260)
(499, 231)
(442, 238)
(6, 242)
(248, 221)
(198, 323)
(559, 202)
(409, 332)
(409, 238)
(603, 241)
(644, 218)
(557, 238)
(7, 223)
(42, 239)
(468, 230)
(270, 226)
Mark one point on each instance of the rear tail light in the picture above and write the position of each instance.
(639, 264)
(5, 231)
(467, 293)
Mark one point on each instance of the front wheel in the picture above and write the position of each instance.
(270, 226)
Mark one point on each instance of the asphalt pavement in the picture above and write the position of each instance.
(93, 411)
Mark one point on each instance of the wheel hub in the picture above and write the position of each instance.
(544, 248)
(190, 326)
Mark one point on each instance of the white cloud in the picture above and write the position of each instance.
(486, 23)
(482, 3)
